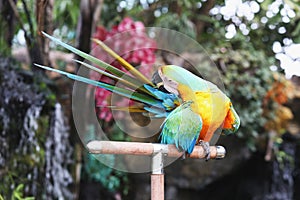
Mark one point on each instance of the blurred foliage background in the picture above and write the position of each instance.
(253, 44)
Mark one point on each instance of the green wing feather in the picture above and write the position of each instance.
(182, 128)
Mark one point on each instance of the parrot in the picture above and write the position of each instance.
(193, 108)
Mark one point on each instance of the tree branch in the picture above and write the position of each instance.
(203, 11)
(97, 14)
(7, 25)
(28, 17)
(44, 9)
(89, 10)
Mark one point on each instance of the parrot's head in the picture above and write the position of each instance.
(232, 121)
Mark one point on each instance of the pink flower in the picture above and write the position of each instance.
(134, 46)
(100, 33)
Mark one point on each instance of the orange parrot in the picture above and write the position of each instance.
(194, 109)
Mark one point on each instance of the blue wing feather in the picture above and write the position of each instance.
(182, 128)
(168, 99)
(192, 145)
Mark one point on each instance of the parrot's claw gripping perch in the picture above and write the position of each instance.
(183, 157)
(206, 148)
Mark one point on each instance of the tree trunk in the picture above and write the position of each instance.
(7, 27)
(90, 11)
(203, 11)
(44, 18)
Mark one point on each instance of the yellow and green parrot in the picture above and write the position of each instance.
(193, 108)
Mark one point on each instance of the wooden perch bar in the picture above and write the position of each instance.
(157, 151)
(138, 148)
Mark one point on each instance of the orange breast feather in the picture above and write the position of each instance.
(211, 106)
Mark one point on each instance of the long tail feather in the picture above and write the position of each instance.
(123, 62)
(116, 78)
(157, 112)
(98, 62)
(117, 90)
(136, 109)
(138, 88)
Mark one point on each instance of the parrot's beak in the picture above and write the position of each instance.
(236, 123)
(232, 122)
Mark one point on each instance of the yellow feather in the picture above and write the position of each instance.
(123, 62)
(211, 106)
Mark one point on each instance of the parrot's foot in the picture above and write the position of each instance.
(206, 148)
(184, 156)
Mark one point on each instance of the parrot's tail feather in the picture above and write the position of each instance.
(105, 73)
(157, 112)
(126, 108)
(123, 62)
(116, 78)
(113, 70)
(157, 103)
(153, 112)
(146, 99)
